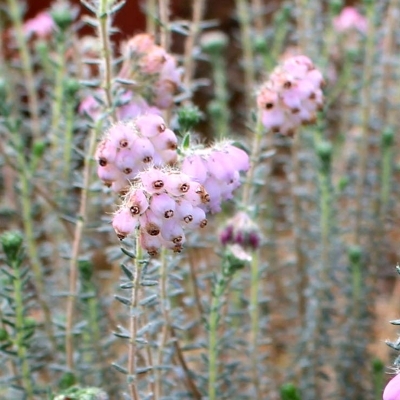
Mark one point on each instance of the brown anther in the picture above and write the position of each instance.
(205, 198)
(107, 184)
(152, 229)
(127, 171)
(312, 96)
(102, 162)
(147, 159)
(188, 218)
(172, 145)
(123, 143)
(177, 240)
(161, 128)
(121, 236)
(268, 106)
(177, 248)
(290, 133)
(184, 187)
(158, 184)
(203, 223)
(287, 85)
(152, 252)
(295, 110)
(135, 210)
(169, 214)
(275, 129)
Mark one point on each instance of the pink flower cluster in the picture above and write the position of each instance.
(350, 19)
(217, 169)
(154, 71)
(392, 389)
(162, 205)
(128, 148)
(291, 96)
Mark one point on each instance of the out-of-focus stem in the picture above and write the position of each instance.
(213, 320)
(33, 101)
(297, 227)
(221, 96)
(243, 15)
(254, 159)
(73, 265)
(164, 19)
(20, 331)
(151, 15)
(26, 202)
(57, 103)
(198, 11)
(68, 140)
(257, 8)
(104, 35)
(164, 303)
(366, 94)
(254, 316)
(134, 323)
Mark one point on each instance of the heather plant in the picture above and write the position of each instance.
(201, 209)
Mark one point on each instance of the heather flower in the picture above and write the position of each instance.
(155, 207)
(392, 389)
(217, 169)
(41, 25)
(130, 147)
(291, 96)
(350, 19)
(155, 72)
(241, 230)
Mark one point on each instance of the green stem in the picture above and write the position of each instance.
(28, 223)
(254, 316)
(33, 101)
(134, 323)
(68, 141)
(386, 172)
(243, 15)
(151, 16)
(221, 96)
(213, 321)
(254, 157)
(73, 265)
(19, 327)
(104, 34)
(165, 307)
(366, 98)
(57, 103)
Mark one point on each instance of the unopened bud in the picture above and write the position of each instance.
(214, 42)
(354, 253)
(387, 137)
(12, 244)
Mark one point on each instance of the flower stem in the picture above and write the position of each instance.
(243, 15)
(134, 322)
(254, 316)
(20, 330)
(104, 35)
(164, 303)
(33, 101)
(73, 265)
(366, 98)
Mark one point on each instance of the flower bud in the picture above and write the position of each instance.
(188, 117)
(12, 244)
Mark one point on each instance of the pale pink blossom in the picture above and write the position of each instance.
(349, 19)
(392, 389)
(41, 25)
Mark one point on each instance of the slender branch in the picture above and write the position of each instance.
(33, 101)
(73, 265)
(198, 11)
(164, 6)
(134, 322)
(243, 15)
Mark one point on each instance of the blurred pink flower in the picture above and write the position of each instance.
(349, 19)
(41, 25)
(392, 389)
